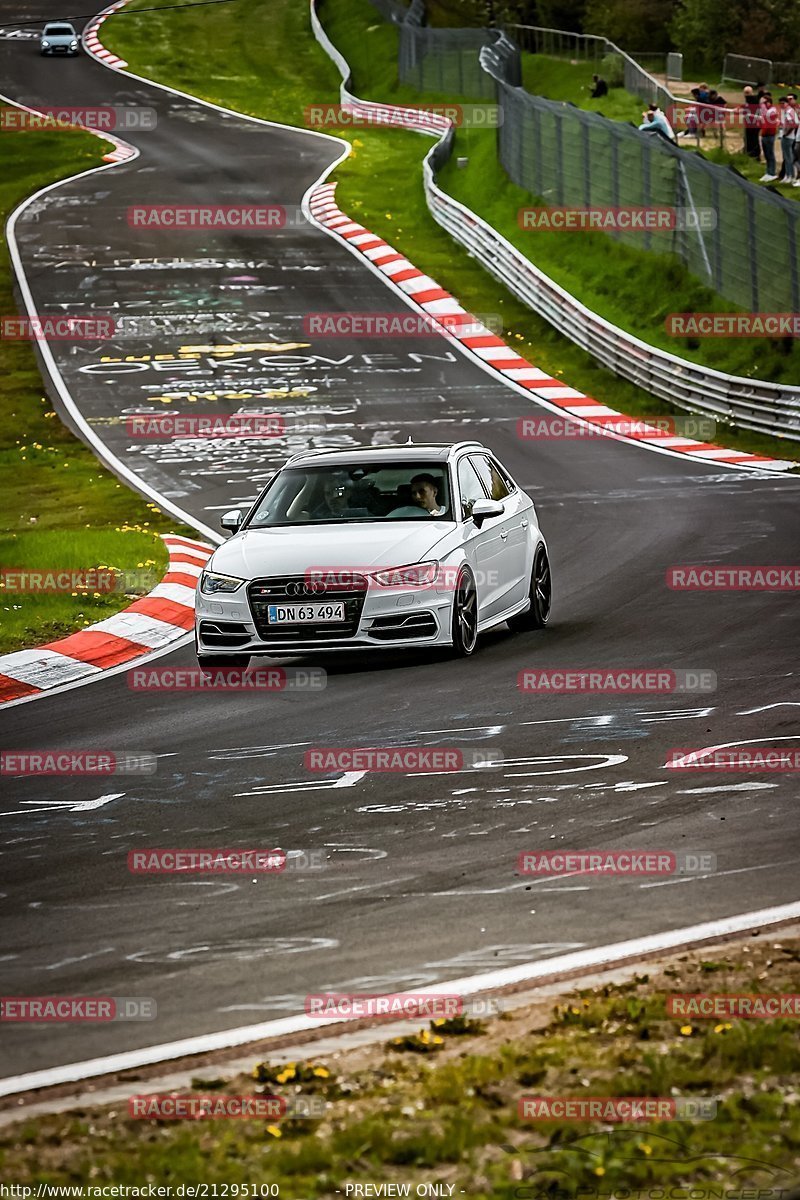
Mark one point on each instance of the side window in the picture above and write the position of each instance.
(470, 487)
(495, 482)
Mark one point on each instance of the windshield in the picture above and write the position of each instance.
(59, 30)
(336, 495)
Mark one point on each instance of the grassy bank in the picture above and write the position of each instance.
(441, 1103)
(61, 509)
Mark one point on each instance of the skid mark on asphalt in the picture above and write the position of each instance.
(242, 950)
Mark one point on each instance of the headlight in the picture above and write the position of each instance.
(73, 45)
(414, 575)
(45, 45)
(211, 584)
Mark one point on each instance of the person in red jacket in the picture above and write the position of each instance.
(790, 118)
(768, 123)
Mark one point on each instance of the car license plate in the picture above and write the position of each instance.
(304, 614)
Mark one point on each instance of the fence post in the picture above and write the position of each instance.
(558, 137)
(791, 234)
(614, 168)
(587, 164)
(751, 252)
(715, 200)
(646, 189)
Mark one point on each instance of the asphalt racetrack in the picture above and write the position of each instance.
(420, 879)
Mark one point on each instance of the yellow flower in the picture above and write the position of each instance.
(722, 1028)
(321, 1072)
(274, 1131)
(599, 1170)
(440, 1021)
(645, 1149)
(686, 1030)
(574, 1009)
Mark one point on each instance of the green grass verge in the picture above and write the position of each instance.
(560, 79)
(440, 1104)
(60, 508)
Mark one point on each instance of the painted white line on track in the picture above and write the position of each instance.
(561, 966)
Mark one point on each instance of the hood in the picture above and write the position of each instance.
(294, 550)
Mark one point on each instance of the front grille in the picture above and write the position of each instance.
(291, 589)
(387, 629)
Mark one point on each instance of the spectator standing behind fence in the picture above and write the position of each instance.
(789, 121)
(749, 113)
(768, 124)
(599, 87)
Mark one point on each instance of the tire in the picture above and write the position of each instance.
(540, 595)
(464, 624)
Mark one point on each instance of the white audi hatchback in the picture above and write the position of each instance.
(398, 546)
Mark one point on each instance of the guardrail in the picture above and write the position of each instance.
(747, 403)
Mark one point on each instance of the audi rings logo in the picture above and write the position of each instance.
(313, 587)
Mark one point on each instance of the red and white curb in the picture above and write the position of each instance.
(424, 293)
(92, 43)
(152, 623)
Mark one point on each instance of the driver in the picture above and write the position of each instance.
(335, 499)
(425, 494)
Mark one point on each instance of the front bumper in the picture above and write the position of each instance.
(375, 617)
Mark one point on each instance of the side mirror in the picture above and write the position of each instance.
(232, 519)
(482, 509)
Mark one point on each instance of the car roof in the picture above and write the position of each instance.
(432, 451)
(53, 24)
